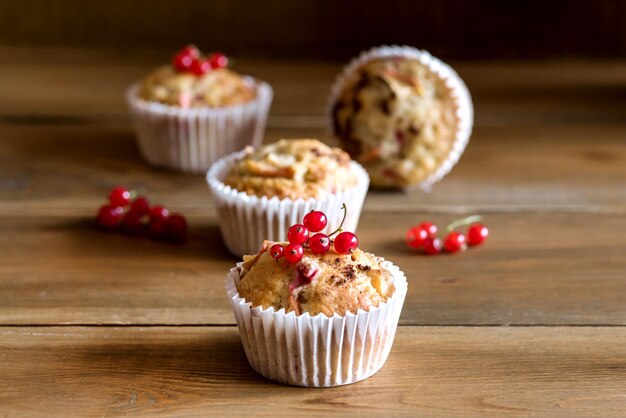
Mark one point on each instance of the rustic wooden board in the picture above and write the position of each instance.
(198, 371)
(535, 269)
(62, 167)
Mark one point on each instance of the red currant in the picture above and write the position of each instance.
(476, 234)
(319, 243)
(455, 242)
(132, 222)
(416, 237)
(200, 67)
(277, 251)
(298, 234)
(430, 227)
(157, 228)
(176, 227)
(191, 50)
(433, 246)
(119, 196)
(219, 60)
(293, 253)
(184, 59)
(110, 216)
(315, 221)
(140, 205)
(158, 212)
(346, 242)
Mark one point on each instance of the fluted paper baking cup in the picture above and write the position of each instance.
(192, 139)
(317, 351)
(458, 90)
(247, 220)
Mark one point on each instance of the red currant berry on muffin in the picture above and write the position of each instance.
(346, 242)
(433, 246)
(119, 196)
(110, 216)
(315, 221)
(293, 253)
(200, 66)
(219, 60)
(184, 59)
(319, 243)
(454, 242)
(476, 234)
(277, 251)
(132, 222)
(298, 234)
(140, 205)
(416, 237)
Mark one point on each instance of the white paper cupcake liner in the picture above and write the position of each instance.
(247, 220)
(458, 89)
(317, 351)
(192, 139)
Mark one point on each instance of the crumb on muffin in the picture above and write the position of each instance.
(329, 283)
(217, 88)
(296, 168)
(398, 119)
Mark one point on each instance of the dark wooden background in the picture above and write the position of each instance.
(325, 29)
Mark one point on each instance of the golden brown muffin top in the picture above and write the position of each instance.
(397, 118)
(329, 283)
(217, 88)
(294, 168)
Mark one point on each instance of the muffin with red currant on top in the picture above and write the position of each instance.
(195, 110)
(403, 114)
(259, 192)
(316, 310)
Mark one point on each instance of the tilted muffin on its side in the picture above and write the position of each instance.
(217, 88)
(329, 283)
(302, 168)
(399, 118)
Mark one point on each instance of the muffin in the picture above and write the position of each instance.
(197, 110)
(404, 115)
(325, 319)
(259, 193)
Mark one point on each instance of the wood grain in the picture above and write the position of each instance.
(198, 371)
(535, 269)
(72, 167)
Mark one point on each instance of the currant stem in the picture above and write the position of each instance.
(463, 221)
(340, 229)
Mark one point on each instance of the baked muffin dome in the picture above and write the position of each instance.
(397, 118)
(217, 88)
(296, 168)
(329, 283)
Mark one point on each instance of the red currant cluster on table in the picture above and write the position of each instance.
(135, 216)
(190, 59)
(424, 236)
(299, 237)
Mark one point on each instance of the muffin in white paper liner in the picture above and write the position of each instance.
(317, 351)
(247, 220)
(192, 139)
(458, 90)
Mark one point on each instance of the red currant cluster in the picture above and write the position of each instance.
(299, 237)
(424, 236)
(136, 217)
(190, 59)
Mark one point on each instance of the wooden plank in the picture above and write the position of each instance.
(46, 168)
(431, 371)
(560, 268)
(88, 84)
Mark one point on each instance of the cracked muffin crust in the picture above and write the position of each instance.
(329, 283)
(296, 168)
(217, 88)
(398, 119)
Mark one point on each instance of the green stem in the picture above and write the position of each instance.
(339, 229)
(464, 221)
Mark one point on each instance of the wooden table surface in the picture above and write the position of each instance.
(532, 323)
